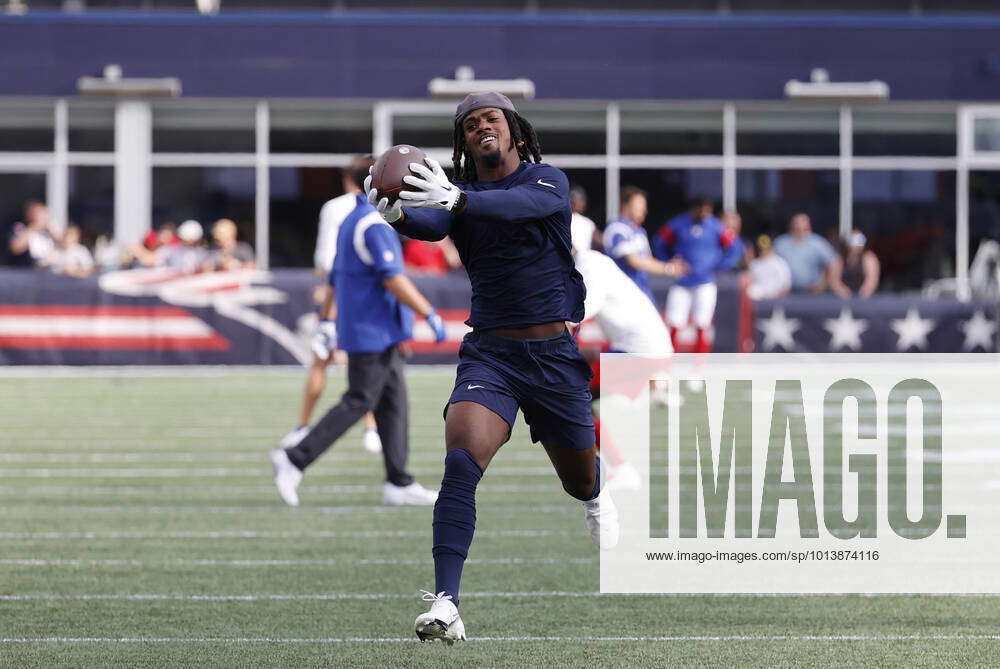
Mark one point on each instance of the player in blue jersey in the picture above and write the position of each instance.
(375, 305)
(626, 242)
(707, 246)
(509, 216)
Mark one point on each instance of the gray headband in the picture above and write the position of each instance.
(475, 101)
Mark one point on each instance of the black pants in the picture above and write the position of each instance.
(375, 382)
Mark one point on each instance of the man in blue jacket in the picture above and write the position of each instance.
(375, 305)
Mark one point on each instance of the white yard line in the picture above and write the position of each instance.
(514, 639)
(189, 371)
(364, 562)
(226, 472)
(465, 595)
(276, 508)
(239, 534)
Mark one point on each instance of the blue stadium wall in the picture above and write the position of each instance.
(376, 55)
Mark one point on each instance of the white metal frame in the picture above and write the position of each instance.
(134, 161)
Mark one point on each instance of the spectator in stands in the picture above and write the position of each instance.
(808, 255)
(856, 270)
(228, 253)
(191, 255)
(626, 242)
(770, 277)
(583, 230)
(31, 240)
(153, 250)
(732, 221)
(69, 256)
(434, 258)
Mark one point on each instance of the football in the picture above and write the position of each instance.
(391, 167)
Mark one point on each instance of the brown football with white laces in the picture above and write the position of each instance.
(391, 167)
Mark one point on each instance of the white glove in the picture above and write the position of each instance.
(392, 213)
(435, 190)
(324, 339)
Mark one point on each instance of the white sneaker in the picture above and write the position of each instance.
(602, 520)
(442, 622)
(624, 477)
(293, 438)
(408, 495)
(371, 441)
(286, 476)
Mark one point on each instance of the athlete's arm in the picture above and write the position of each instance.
(430, 225)
(404, 290)
(545, 194)
(662, 242)
(873, 270)
(732, 250)
(675, 267)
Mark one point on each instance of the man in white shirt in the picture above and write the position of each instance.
(631, 324)
(582, 229)
(324, 340)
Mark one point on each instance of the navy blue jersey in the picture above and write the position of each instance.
(514, 240)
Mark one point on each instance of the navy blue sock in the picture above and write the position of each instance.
(454, 520)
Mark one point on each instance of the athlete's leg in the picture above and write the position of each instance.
(678, 311)
(315, 383)
(702, 311)
(473, 435)
(578, 470)
(366, 377)
(392, 412)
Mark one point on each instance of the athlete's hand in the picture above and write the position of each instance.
(391, 213)
(676, 267)
(434, 188)
(437, 325)
(324, 339)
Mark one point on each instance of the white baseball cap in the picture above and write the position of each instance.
(190, 231)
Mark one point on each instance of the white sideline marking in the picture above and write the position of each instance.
(241, 534)
(33, 562)
(520, 639)
(223, 472)
(465, 595)
(29, 511)
(187, 371)
(228, 491)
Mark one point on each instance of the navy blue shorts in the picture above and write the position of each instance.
(548, 379)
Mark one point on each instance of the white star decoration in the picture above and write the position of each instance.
(845, 330)
(912, 330)
(979, 331)
(778, 330)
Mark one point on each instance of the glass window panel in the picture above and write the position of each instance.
(984, 219)
(986, 134)
(592, 183)
(305, 126)
(205, 194)
(767, 199)
(297, 194)
(779, 131)
(578, 130)
(91, 125)
(671, 131)
(214, 126)
(92, 201)
(887, 132)
(16, 189)
(909, 219)
(27, 125)
(423, 130)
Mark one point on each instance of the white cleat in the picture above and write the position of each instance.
(293, 438)
(442, 622)
(286, 476)
(408, 495)
(602, 520)
(371, 441)
(624, 477)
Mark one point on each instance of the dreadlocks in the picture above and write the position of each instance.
(521, 133)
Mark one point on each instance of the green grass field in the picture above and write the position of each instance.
(140, 527)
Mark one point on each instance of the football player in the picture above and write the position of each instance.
(509, 216)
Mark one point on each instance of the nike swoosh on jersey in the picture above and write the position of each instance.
(546, 184)
(472, 387)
